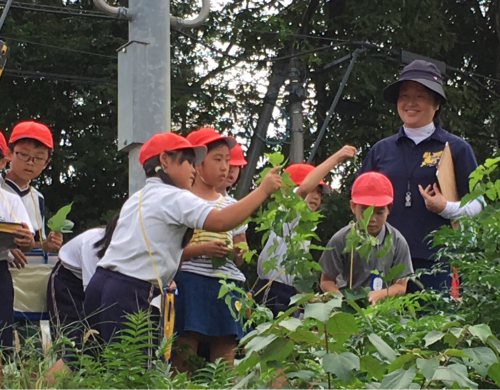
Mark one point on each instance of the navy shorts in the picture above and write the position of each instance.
(65, 298)
(276, 296)
(111, 295)
(6, 306)
(197, 308)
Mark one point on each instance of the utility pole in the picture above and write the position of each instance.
(296, 95)
(144, 74)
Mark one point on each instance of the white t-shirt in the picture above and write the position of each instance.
(79, 255)
(242, 228)
(203, 265)
(278, 253)
(12, 210)
(33, 201)
(167, 212)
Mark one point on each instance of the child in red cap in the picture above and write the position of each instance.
(199, 314)
(11, 210)
(275, 287)
(30, 148)
(154, 227)
(349, 270)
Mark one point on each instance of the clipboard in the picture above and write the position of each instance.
(445, 174)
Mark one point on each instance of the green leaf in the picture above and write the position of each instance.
(278, 350)
(393, 272)
(400, 361)
(218, 262)
(341, 365)
(428, 366)
(382, 347)
(305, 375)
(371, 365)
(300, 298)
(454, 373)
(275, 158)
(260, 342)
(481, 331)
(480, 358)
(433, 337)
(363, 222)
(321, 311)
(342, 326)
(456, 353)
(386, 248)
(399, 379)
(290, 324)
(494, 373)
(494, 343)
(58, 222)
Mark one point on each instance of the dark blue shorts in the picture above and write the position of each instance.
(275, 296)
(6, 306)
(197, 308)
(65, 298)
(111, 295)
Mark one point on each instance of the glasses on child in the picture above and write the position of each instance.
(26, 158)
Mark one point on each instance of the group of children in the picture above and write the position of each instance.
(172, 232)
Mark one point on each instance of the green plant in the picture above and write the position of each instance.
(59, 223)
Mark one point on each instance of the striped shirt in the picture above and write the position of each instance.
(202, 265)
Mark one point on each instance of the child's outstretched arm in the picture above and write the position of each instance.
(328, 284)
(315, 176)
(398, 287)
(231, 216)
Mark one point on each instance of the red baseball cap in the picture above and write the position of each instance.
(236, 156)
(3, 144)
(372, 189)
(32, 130)
(168, 142)
(299, 171)
(206, 135)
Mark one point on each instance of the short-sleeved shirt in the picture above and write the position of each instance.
(407, 165)
(277, 274)
(79, 255)
(243, 227)
(337, 265)
(12, 210)
(167, 212)
(33, 201)
(202, 265)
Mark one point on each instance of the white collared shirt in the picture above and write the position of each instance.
(79, 255)
(167, 212)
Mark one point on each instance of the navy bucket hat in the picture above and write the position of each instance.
(423, 72)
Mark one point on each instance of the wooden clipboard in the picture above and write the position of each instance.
(445, 174)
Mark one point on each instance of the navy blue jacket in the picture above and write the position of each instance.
(402, 161)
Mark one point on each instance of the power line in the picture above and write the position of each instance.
(59, 47)
(56, 76)
(31, 7)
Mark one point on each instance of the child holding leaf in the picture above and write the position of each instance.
(343, 269)
(30, 147)
(11, 210)
(199, 314)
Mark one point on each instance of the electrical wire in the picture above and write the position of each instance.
(61, 11)
(56, 76)
(58, 47)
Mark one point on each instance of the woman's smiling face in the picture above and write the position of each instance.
(416, 104)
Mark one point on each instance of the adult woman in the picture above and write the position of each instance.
(410, 157)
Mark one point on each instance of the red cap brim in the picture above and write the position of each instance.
(377, 201)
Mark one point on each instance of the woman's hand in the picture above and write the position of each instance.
(433, 198)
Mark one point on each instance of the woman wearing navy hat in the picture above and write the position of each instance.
(410, 158)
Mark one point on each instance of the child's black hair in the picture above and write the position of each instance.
(215, 144)
(104, 242)
(151, 166)
(37, 144)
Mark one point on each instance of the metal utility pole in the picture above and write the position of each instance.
(276, 80)
(144, 74)
(296, 95)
